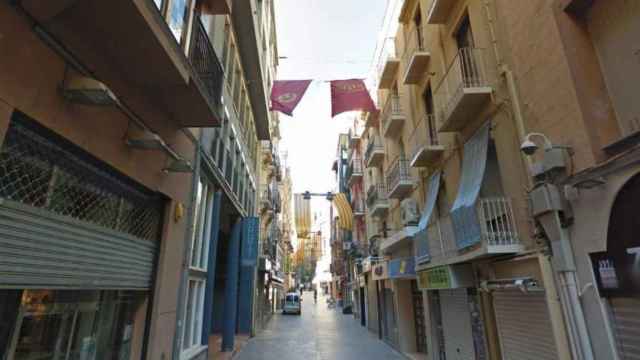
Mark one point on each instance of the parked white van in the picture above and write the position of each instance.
(292, 304)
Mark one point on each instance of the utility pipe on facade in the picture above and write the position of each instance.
(580, 342)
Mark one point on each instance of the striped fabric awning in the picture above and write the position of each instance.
(302, 210)
(345, 220)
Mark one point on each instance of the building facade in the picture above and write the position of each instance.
(478, 248)
(132, 163)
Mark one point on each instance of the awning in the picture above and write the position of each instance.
(345, 220)
(463, 213)
(302, 209)
(422, 243)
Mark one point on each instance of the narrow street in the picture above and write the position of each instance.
(320, 333)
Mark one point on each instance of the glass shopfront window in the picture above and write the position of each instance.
(67, 324)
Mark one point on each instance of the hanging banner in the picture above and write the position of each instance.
(402, 268)
(350, 95)
(286, 94)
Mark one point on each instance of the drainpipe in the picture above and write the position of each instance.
(580, 343)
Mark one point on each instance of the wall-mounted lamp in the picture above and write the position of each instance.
(88, 91)
(146, 140)
(178, 165)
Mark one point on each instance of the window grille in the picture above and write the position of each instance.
(42, 169)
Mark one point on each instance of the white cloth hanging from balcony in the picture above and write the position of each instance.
(463, 213)
(422, 243)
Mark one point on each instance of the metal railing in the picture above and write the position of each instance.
(424, 134)
(355, 166)
(392, 107)
(376, 192)
(438, 241)
(416, 43)
(205, 62)
(398, 171)
(374, 145)
(358, 205)
(497, 222)
(467, 70)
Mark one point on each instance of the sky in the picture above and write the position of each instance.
(323, 40)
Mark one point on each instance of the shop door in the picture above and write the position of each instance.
(418, 311)
(524, 326)
(626, 318)
(456, 320)
(391, 326)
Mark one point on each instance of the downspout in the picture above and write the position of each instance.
(556, 310)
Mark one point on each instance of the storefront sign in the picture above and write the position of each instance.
(380, 271)
(402, 268)
(617, 274)
(361, 281)
(250, 230)
(366, 265)
(446, 277)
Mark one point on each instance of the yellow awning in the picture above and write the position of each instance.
(345, 214)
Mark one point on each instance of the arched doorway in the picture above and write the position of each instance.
(618, 271)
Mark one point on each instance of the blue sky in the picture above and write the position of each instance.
(322, 40)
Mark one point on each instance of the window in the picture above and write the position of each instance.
(198, 264)
(464, 35)
(192, 330)
(178, 18)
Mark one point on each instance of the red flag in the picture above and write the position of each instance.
(348, 95)
(285, 95)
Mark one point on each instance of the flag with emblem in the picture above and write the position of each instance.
(350, 95)
(286, 94)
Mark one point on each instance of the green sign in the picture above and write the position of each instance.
(435, 279)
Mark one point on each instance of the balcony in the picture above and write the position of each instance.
(426, 148)
(354, 170)
(399, 180)
(266, 202)
(267, 152)
(392, 118)
(355, 133)
(388, 64)
(374, 156)
(499, 236)
(377, 200)
(440, 11)
(185, 81)
(398, 239)
(416, 57)
(358, 208)
(464, 90)
(371, 119)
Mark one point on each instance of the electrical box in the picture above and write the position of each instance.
(545, 198)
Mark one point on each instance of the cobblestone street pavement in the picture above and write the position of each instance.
(319, 334)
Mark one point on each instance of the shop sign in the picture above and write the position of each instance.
(380, 271)
(402, 268)
(617, 272)
(361, 281)
(446, 277)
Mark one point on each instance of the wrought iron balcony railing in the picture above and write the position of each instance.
(375, 193)
(398, 172)
(205, 62)
(374, 145)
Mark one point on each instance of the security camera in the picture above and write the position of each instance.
(528, 147)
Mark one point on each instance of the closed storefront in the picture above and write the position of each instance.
(458, 338)
(523, 325)
(626, 324)
(78, 244)
(390, 323)
(419, 318)
(372, 306)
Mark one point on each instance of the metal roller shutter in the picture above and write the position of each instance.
(523, 326)
(626, 313)
(456, 320)
(41, 249)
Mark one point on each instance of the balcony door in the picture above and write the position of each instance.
(470, 73)
(417, 21)
(429, 110)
